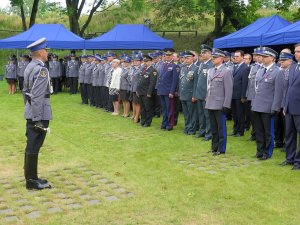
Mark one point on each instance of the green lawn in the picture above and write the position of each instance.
(117, 172)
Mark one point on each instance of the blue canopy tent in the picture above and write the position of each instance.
(251, 35)
(58, 37)
(286, 35)
(129, 36)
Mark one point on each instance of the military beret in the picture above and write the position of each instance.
(217, 53)
(285, 56)
(169, 51)
(147, 58)
(189, 54)
(266, 51)
(205, 47)
(127, 59)
(38, 45)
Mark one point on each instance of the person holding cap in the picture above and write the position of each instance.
(145, 89)
(218, 100)
(267, 102)
(37, 90)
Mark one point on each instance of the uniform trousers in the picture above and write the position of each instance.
(81, 87)
(279, 129)
(35, 138)
(73, 81)
(85, 94)
(292, 130)
(55, 83)
(264, 131)
(238, 116)
(21, 81)
(167, 105)
(249, 117)
(93, 96)
(98, 96)
(146, 104)
(90, 92)
(189, 113)
(156, 103)
(176, 109)
(105, 96)
(203, 119)
(218, 130)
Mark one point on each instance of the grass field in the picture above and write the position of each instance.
(107, 170)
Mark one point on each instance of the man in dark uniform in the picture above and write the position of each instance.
(188, 74)
(218, 100)
(292, 114)
(240, 83)
(37, 89)
(81, 75)
(144, 90)
(200, 91)
(166, 88)
(266, 102)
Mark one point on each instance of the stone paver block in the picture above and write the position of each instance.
(211, 171)
(5, 211)
(19, 201)
(26, 207)
(11, 218)
(34, 214)
(111, 198)
(201, 168)
(129, 194)
(119, 190)
(77, 191)
(74, 206)
(104, 180)
(104, 193)
(93, 202)
(54, 210)
(85, 196)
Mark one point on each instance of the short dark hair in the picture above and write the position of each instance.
(241, 52)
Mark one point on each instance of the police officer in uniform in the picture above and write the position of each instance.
(21, 68)
(89, 78)
(292, 114)
(37, 89)
(95, 81)
(167, 83)
(144, 90)
(187, 78)
(55, 73)
(81, 75)
(266, 102)
(11, 75)
(200, 91)
(103, 96)
(251, 87)
(73, 70)
(218, 100)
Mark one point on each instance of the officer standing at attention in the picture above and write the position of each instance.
(73, 70)
(55, 73)
(81, 74)
(200, 91)
(37, 89)
(292, 114)
(11, 75)
(266, 102)
(145, 89)
(187, 77)
(166, 88)
(218, 100)
(88, 78)
(21, 68)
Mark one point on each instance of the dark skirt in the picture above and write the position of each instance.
(11, 80)
(113, 98)
(135, 98)
(124, 95)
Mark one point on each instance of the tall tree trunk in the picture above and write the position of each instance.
(73, 14)
(218, 18)
(33, 12)
(23, 17)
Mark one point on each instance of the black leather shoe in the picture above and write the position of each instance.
(42, 181)
(278, 145)
(216, 153)
(264, 157)
(285, 163)
(36, 184)
(146, 125)
(257, 155)
(296, 167)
